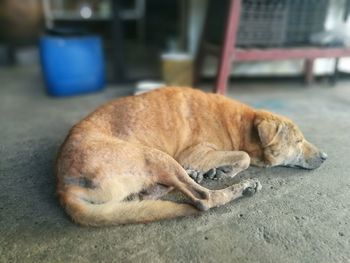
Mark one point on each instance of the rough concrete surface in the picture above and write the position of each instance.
(299, 216)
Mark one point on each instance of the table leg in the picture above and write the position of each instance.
(228, 47)
(309, 71)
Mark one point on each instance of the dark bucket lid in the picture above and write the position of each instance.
(67, 31)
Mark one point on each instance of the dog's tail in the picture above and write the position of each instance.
(112, 213)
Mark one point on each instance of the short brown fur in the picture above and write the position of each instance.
(116, 163)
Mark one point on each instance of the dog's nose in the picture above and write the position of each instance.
(323, 156)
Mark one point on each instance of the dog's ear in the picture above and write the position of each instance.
(268, 130)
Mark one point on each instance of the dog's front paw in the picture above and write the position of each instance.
(220, 172)
(195, 175)
(250, 187)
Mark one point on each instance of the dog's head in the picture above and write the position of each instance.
(283, 143)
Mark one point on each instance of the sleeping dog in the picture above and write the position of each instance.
(169, 139)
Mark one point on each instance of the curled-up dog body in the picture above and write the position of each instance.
(117, 163)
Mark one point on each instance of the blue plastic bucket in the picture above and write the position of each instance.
(72, 65)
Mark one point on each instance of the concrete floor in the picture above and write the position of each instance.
(299, 216)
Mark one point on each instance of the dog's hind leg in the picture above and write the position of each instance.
(204, 199)
(205, 160)
(94, 189)
(245, 188)
(155, 192)
(117, 170)
(171, 173)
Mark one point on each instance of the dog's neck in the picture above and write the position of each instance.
(252, 144)
(248, 139)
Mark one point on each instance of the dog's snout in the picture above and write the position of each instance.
(323, 156)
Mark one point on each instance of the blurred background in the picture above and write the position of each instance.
(134, 34)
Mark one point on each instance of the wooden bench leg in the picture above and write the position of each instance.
(228, 47)
(309, 71)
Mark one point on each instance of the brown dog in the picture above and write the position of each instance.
(141, 146)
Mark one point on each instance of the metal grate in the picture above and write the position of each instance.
(263, 23)
(280, 22)
(270, 23)
(305, 17)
